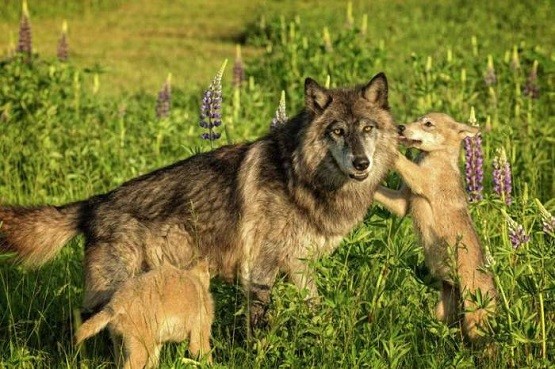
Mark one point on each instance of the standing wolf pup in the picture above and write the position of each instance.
(251, 209)
(164, 305)
(436, 200)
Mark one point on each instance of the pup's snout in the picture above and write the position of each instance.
(361, 162)
(400, 129)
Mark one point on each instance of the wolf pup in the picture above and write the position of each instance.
(252, 209)
(163, 305)
(434, 196)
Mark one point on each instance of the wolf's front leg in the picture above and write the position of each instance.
(301, 276)
(257, 284)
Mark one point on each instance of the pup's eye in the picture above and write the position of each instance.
(368, 129)
(428, 124)
(338, 131)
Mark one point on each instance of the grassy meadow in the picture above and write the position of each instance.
(72, 129)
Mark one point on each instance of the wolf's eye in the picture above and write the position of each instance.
(367, 129)
(428, 124)
(338, 131)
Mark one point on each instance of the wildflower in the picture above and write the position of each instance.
(238, 68)
(350, 18)
(163, 103)
(517, 234)
(281, 114)
(210, 110)
(364, 24)
(327, 40)
(63, 46)
(502, 183)
(474, 161)
(24, 44)
(490, 78)
(531, 87)
(548, 220)
(515, 59)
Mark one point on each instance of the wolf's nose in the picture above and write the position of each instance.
(400, 129)
(361, 162)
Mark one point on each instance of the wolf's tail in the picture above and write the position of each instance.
(37, 234)
(94, 325)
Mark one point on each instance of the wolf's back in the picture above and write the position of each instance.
(37, 234)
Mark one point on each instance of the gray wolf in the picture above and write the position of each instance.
(435, 198)
(162, 305)
(252, 209)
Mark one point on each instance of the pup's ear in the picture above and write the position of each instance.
(467, 131)
(376, 91)
(316, 97)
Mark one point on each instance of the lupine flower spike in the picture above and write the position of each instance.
(531, 88)
(327, 40)
(474, 161)
(63, 46)
(515, 60)
(163, 102)
(350, 18)
(24, 44)
(211, 107)
(517, 234)
(502, 182)
(548, 220)
(238, 68)
(490, 78)
(281, 113)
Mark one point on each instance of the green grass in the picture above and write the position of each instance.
(61, 142)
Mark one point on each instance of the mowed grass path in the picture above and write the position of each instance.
(137, 43)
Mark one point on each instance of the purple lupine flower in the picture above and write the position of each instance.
(502, 182)
(163, 102)
(211, 107)
(517, 234)
(474, 162)
(490, 78)
(531, 87)
(238, 68)
(63, 46)
(24, 44)
(281, 113)
(548, 220)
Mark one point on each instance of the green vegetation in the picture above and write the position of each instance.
(64, 137)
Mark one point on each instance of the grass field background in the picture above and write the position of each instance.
(71, 130)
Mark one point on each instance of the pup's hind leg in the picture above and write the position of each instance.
(137, 353)
(446, 309)
(107, 265)
(199, 343)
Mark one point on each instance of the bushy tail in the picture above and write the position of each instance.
(94, 325)
(37, 234)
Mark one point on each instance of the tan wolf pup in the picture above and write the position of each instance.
(434, 195)
(162, 305)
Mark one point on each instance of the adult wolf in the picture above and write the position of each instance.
(252, 209)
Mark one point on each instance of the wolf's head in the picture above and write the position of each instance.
(349, 133)
(435, 132)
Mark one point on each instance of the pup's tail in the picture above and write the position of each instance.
(94, 325)
(37, 234)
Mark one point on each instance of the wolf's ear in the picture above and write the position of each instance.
(316, 97)
(376, 91)
(467, 131)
